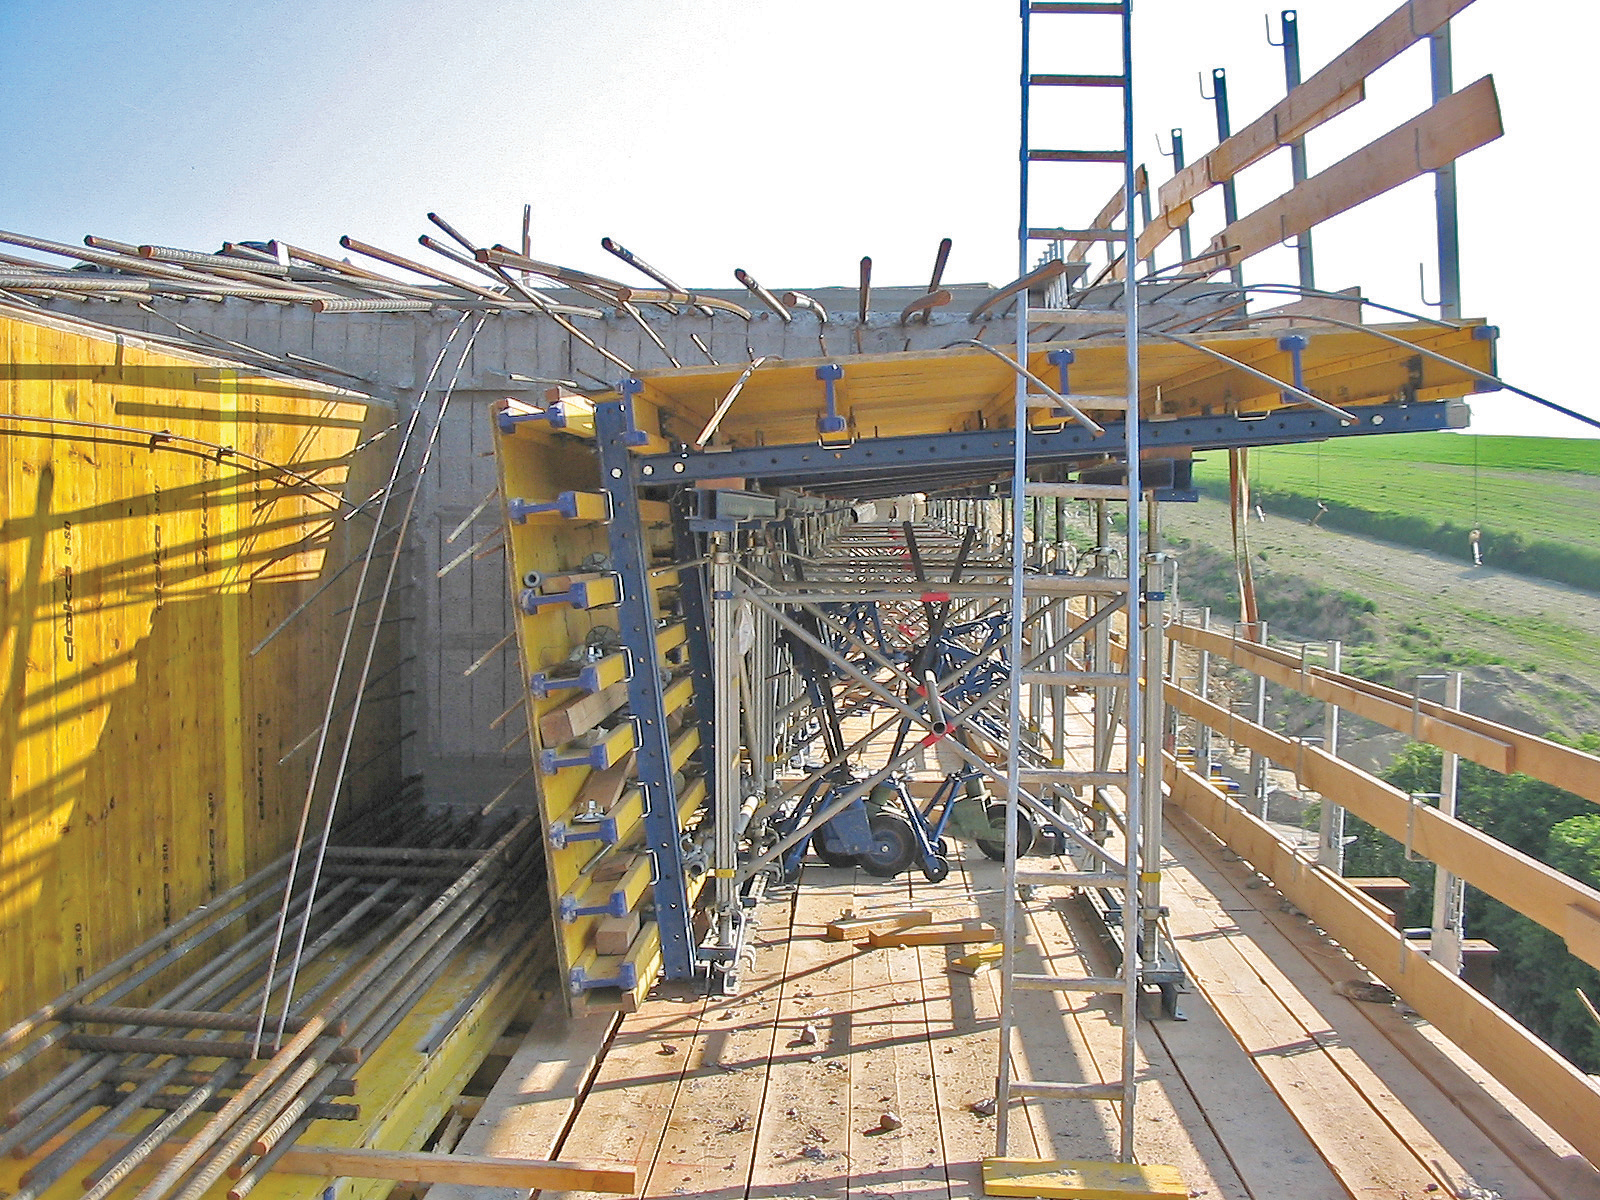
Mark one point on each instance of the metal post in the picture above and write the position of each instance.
(1444, 186)
(1203, 741)
(630, 558)
(1019, 473)
(1185, 243)
(1135, 607)
(1230, 197)
(1157, 589)
(1258, 762)
(726, 797)
(1447, 889)
(1330, 825)
(1289, 25)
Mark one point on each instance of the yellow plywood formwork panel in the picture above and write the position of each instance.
(589, 879)
(160, 514)
(1081, 1180)
(957, 390)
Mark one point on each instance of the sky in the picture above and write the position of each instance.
(787, 139)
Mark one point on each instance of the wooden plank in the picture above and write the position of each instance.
(1550, 1086)
(483, 1170)
(630, 1099)
(1317, 99)
(934, 935)
(963, 1016)
(1431, 1106)
(706, 1147)
(806, 1117)
(1082, 1180)
(580, 714)
(1250, 996)
(894, 1144)
(1457, 124)
(1172, 1126)
(528, 1107)
(848, 928)
(1527, 885)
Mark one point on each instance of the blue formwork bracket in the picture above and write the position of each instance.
(830, 423)
(508, 421)
(632, 435)
(567, 504)
(580, 981)
(591, 678)
(1295, 344)
(585, 593)
(616, 905)
(603, 754)
(603, 829)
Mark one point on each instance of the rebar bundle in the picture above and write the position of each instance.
(167, 1028)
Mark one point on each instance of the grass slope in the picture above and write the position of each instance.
(1536, 499)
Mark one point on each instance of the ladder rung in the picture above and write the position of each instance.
(1077, 235)
(1077, 879)
(1068, 1091)
(1085, 778)
(1075, 6)
(1058, 983)
(1077, 81)
(1079, 156)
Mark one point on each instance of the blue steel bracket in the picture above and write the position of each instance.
(542, 683)
(630, 558)
(1061, 360)
(566, 504)
(564, 834)
(554, 413)
(991, 449)
(531, 600)
(616, 905)
(830, 424)
(578, 981)
(1295, 344)
(630, 434)
(597, 757)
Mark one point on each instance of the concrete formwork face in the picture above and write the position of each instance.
(448, 624)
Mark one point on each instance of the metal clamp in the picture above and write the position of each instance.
(831, 422)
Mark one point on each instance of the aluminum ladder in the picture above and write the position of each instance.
(1128, 883)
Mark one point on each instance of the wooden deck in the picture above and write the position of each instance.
(1274, 1086)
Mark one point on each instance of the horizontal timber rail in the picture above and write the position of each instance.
(1488, 743)
(1554, 1089)
(1560, 903)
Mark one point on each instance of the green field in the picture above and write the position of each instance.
(1536, 500)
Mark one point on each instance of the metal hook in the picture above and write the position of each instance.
(1266, 19)
(1216, 72)
(1422, 290)
(1166, 153)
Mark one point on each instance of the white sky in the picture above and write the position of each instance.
(788, 139)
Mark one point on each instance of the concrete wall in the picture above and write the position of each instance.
(452, 622)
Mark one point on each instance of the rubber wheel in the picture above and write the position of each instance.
(936, 868)
(946, 848)
(893, 846)
(997, 850)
